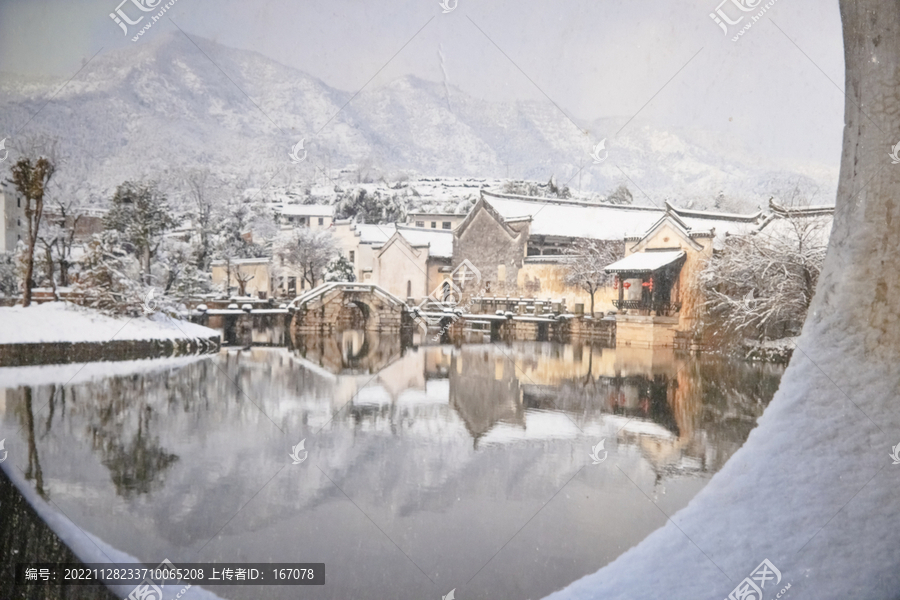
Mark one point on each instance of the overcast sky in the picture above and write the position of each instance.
(777, 90)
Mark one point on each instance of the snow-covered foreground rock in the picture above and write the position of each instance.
(89, 548)
(815, 489)
(65, 322)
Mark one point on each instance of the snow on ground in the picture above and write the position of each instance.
(65, 322)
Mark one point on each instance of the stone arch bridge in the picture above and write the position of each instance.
(338, 306)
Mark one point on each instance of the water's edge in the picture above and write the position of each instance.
(18, 355)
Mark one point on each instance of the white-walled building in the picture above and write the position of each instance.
(12, 215)
(443, 221)
(314, 216)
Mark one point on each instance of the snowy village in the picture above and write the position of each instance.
(448, 310)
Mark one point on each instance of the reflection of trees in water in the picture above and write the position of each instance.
(34, 463)
(25, 410)
(137, 464)
(120, 423)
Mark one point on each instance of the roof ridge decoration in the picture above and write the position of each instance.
(813, 210)
(707, 214)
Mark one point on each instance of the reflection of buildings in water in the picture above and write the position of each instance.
(684, 415)
(484, 390)
(687, 401)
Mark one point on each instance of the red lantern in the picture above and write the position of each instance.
(626, 285)
(616, 282)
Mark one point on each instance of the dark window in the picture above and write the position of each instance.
(434, 224)
(303, 220)
(321, 220)
(420, 223)
(352, 256)
(445, 225)
(291, 219)
(292, 285)
(19, 202)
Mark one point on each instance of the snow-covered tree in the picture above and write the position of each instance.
(587, 260)
(620, 195)
(308, 253)
(544, 190)
(177, 272)
(234, 237)
(31, 175)
(375, 207)
(340, 269)
(110, 276)
(57, 239)
(760, 286)
(205, 195)
(141, 215)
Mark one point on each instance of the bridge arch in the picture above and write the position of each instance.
(339, 306)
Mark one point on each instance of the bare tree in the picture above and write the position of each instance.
(242, 280)
(587, 261)
(30, 175)
(309, 253)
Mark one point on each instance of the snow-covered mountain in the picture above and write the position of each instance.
(156, 108)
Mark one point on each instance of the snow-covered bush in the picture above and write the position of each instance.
(340, 269)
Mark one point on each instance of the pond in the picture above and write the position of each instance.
(477, 468)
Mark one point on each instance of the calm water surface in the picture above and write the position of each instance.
(429, 468)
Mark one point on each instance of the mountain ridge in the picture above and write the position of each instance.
(150, 110)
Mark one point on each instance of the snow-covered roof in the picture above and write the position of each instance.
(574, 219)
(439, 241)
(374, 234)
(645, 262)
(305, 210)
(243, 261)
